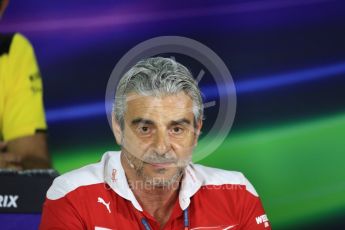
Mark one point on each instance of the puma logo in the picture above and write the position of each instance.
(107, 205)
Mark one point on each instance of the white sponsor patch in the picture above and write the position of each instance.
(262, 219)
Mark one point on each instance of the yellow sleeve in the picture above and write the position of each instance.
(23, 108)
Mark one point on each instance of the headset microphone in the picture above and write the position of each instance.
(129, 162)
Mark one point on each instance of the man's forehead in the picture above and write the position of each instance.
(170, 109)
(165, 108)
(175, 101)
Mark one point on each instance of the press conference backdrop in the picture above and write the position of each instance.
(287, 59)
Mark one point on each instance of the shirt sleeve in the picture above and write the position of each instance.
(253, 216)
(23, 111)
(60, 214)
(60, 209)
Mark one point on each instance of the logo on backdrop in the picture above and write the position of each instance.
(8, 201)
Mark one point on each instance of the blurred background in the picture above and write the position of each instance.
(287, 59)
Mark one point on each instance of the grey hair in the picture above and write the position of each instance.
(157, 76)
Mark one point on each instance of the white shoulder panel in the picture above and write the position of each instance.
(87, 175)
(214, 176)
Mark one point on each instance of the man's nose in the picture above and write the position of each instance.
(162, 143)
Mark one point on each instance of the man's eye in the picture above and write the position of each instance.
(177, 130)
(144, 130)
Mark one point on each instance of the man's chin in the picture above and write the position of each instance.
(162, 177)
(158, 182)
(160, 170)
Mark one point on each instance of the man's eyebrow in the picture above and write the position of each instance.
(181, 122)
(150, 122)
(142, 121)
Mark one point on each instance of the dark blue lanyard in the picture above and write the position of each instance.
(185, 221)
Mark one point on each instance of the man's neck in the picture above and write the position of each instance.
(157, 201)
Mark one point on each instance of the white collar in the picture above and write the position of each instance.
(115, 177)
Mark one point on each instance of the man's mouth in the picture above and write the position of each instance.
(161, 165)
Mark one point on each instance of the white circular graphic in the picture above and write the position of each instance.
(205, 56)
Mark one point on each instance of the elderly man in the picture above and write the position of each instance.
(151, 183)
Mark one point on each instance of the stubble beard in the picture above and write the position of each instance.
(155, 181)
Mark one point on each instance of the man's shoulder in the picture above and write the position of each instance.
(88, 175)
(217, 177)
(14, 41)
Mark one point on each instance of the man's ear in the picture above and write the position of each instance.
(197, 131)
(116, 130)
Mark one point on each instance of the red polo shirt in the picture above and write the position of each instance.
(98, 196)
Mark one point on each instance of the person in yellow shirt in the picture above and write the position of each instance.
(23, 141)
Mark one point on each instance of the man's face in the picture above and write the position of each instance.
(159, 136)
